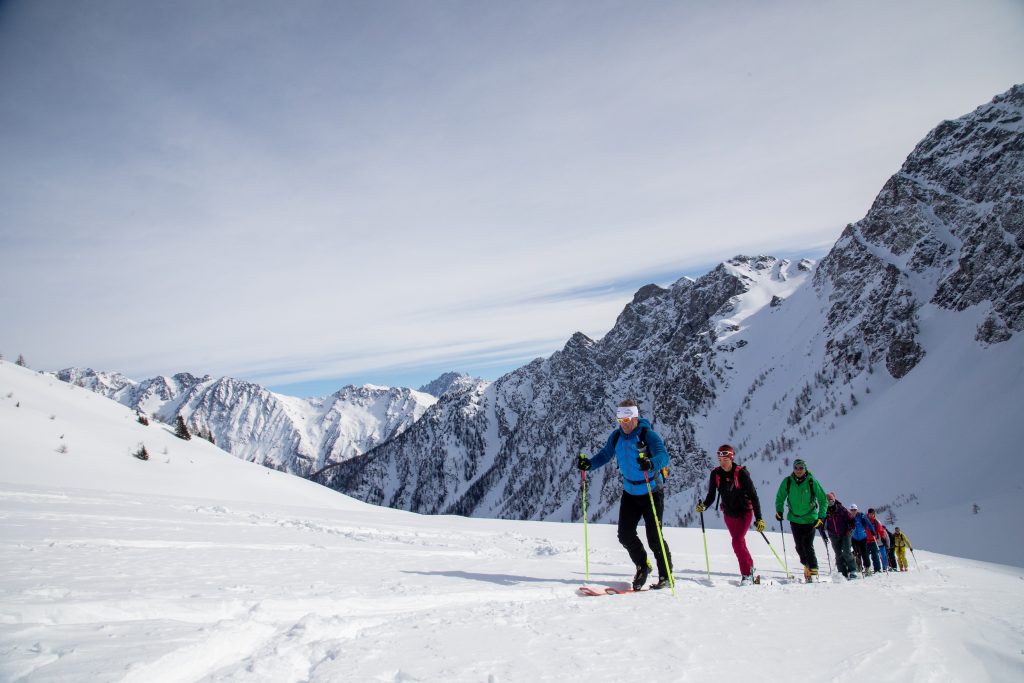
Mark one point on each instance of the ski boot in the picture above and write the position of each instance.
(662, 583)
(642, 572)
(813, 576)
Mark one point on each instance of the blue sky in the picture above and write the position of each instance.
(309, 194)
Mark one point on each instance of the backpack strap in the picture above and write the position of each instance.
(718, 482)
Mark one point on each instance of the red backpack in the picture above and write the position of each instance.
(735, 484)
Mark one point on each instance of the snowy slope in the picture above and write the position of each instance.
(197, 566)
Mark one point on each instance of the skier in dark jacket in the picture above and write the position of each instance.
(840, 533)
(807, 509)
(640, 468)
(739, 504)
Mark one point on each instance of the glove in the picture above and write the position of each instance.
(759, 525)
(778, 516)
(583, 463)
(646, 464)
(700, 507)
(818, 524)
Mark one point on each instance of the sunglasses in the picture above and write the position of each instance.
(799, 469)
(624, 420)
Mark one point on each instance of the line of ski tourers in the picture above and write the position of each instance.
(862, 543)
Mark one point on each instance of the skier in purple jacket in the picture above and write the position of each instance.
(840, 531)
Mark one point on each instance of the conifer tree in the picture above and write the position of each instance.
(181, 430)
(142, 453)
(21, 361)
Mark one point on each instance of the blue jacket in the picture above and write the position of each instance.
(860, 522)
(625, 453)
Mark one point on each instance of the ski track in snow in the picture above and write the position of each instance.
(240, 595)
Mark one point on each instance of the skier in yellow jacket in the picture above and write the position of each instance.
(900, 544)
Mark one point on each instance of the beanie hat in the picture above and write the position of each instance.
(854, 507)
(799, 462)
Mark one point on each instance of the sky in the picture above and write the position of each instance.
(313, 194)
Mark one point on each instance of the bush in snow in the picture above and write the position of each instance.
(141, 453)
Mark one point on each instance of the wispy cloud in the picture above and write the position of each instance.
(330, 189)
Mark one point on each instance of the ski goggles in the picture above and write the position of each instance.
(626, 413)
(725, 454)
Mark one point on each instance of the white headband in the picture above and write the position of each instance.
(623, 412)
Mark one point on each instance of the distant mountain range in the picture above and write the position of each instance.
(294, 435)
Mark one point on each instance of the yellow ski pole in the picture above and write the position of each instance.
(661, 539)
(586, 544)
(788, 575)
(707, 561)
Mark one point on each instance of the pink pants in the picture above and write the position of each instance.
(738, 530)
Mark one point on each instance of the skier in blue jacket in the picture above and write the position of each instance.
(638, 451)
(859, 539)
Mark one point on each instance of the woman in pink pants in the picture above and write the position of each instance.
(739, 504)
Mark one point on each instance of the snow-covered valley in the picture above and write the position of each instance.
(197, 566)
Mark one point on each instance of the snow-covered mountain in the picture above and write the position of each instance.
(291, 434)
(449, 382)
(196, 566)
(895, 366)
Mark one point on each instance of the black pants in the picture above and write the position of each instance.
(860, 550)
(803, 538)
(631, 510)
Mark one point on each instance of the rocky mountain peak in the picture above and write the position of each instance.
(788, 347)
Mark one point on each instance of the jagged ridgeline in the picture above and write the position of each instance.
(767, 354)
(505, 449)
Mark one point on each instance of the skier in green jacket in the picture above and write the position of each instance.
(807, 510)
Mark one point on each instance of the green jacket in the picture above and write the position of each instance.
(807, 501)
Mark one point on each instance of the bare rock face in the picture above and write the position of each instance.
(948, 229)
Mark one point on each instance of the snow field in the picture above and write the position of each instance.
(197, 566)
(100, 587)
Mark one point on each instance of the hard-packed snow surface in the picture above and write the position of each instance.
(197, 566)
